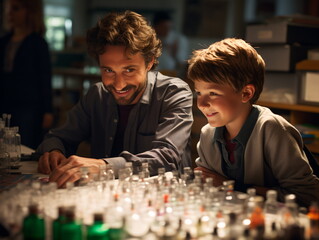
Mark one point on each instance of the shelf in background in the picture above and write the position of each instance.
(292, 107)
(299, 114)
(314, 147)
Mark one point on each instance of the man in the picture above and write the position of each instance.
(134, 115)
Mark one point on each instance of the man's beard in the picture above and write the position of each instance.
(123, 100)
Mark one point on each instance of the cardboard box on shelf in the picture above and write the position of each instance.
(282, 57)
(283, 32)
(280, 88)
(309, 88)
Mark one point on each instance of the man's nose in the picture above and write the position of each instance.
(119, 82)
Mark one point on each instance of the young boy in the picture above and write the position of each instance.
(242, 141)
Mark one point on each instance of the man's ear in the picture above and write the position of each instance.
(248, 92)
(150, 65)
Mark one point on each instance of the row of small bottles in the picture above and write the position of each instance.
(10, 144)
(163, 207)
(65, 227)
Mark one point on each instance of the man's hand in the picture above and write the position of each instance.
(49, 161)
(217, 178)
(70, 169)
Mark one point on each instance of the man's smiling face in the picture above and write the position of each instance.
(124, 75)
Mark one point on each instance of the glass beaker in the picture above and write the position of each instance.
(12, 144)
(4, 158)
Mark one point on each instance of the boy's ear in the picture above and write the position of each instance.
(248, 92)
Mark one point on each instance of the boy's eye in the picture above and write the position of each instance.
(213, 94)
(197, 93)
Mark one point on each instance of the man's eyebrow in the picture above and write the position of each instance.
(129, 66)
(125, 67)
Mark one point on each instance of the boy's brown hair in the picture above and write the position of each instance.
(127, 29)
(230, 61)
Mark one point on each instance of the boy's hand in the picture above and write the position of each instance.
(217, 178)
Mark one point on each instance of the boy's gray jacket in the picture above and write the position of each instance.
(273, 158)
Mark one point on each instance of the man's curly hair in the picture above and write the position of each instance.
(127, 29)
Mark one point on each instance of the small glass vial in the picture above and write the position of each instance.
(129, 169)
(161, 176)
(12, 143)
(84, 180)
(313, 216)
(145, 170)
(271, 203)
(4, 158)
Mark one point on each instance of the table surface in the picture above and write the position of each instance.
(26, 150)
(27, 171)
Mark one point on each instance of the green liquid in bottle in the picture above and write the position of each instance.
(71, 229)
(98, 230)
(33, 225)
(57, 223)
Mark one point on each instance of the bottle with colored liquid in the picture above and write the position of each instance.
(57, 223)
(33, 224)
(313, 216)
(71, 229)
(98, 230)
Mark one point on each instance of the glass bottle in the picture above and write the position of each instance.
(198, 178)
(71, 229)
(136, 224)
(313, 216)
(188, 172)
(289, 215)
(129, 169)
(57, 223)
(257, 218)
(102, 173)
(161, 176)
(18, 145)
(98, 230)
(115, 216)
(250, 204)
(84, 180)
(271, 209)
(271, 203)
(230, 200)
(33, 224)
(109, 173)
(145, 170)
(12, 145)
(4, 158)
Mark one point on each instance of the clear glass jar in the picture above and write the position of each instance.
(12, 144)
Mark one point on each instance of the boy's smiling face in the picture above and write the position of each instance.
(221, 104)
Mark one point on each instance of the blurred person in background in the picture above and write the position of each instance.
(175, 45)
(25, 71)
